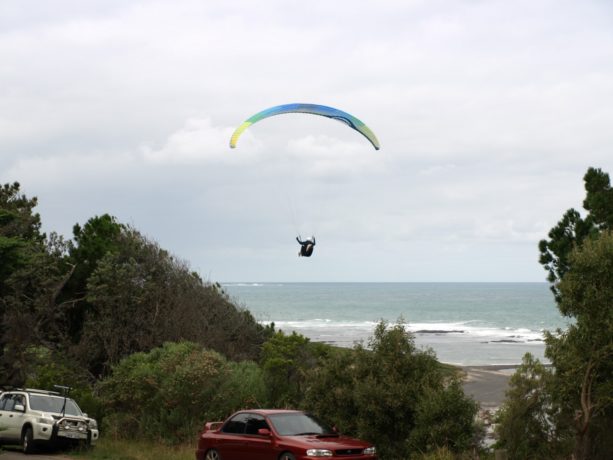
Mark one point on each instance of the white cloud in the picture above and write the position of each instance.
(197, 142)
(488, 114)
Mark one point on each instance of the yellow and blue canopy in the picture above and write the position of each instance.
(315, 109)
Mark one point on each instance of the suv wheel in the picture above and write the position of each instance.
(27, 441)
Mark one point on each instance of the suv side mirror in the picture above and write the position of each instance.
(264, 432)
(19, 408)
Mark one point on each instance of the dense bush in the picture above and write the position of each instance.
(444, 417)
(526, 421)
(141, 296)
(394, 395)
(169, 392)
(46, 369)
(286, 361)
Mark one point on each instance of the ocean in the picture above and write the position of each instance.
(467, 324)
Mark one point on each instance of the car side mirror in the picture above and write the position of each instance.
(19, 408)
(85, 415)
(264, 432)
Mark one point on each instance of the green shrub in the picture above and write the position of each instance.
(242, 388)
(445, 417)
(282, 360)
(47, 369)
(526, 422)
(391, 392)
(169, 392)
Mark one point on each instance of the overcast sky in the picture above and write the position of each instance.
(488, 113)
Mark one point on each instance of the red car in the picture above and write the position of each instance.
(277, 435)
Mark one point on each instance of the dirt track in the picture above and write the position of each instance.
(16, 455)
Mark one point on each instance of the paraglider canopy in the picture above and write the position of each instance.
(322, 110)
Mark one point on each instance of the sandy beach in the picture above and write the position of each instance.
(487, 384)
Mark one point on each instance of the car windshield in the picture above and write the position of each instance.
(296, 424)
(54, 404)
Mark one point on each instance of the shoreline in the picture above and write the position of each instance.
(487, 384)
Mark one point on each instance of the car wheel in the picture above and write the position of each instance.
(212, 455)
(287, 456)
(27, 441)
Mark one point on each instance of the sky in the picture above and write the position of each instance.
(488, 113)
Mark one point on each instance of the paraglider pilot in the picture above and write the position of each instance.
(306, 246)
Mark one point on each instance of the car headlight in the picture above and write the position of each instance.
(370, 451)
(319, 453)
(46, 421)
(93, 424)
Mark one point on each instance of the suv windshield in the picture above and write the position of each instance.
(296, 424)
(54, 404)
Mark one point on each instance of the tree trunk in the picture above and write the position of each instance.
(582, 446)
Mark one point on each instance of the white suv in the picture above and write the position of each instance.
(29, 417)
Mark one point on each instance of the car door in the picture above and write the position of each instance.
(258, 447)
(19, 416)
(232, 440)
(3, 418)
(8, 422)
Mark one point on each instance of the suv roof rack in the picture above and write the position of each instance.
(45, 392)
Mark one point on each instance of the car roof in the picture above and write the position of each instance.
(34, 391)
(271, 411)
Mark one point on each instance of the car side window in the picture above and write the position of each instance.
(254, 423)
(9, 402)
(3, 401)
(19, 399)
(236, 424)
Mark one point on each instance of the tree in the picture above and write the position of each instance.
(140, 296)
(526, 424)
(19, 229)
(583, 354)
(286, 360)
(384, 392)
(32, 273)
(573, 229)
(444, 419)
(162, 393)
(98, 236)
(579, 260)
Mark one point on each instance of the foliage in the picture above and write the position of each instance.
(46, 368)
(30, 316)
(444, 417)
(526, 425)
(286, 359)
(573, 229)
(382, 394)
(22, 251)
(575, 399)
(19, 228)
(244, 387)
(444, 453)
(141, 297)
(98, 237)
(169, 392)
(583, 354)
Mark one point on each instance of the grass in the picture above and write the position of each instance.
(109, 449)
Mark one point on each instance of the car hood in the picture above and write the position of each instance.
(56, 416)
(326, 442)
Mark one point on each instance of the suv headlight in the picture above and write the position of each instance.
(370, 451)
(319, 453)
(92, 423)
(45, 420)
